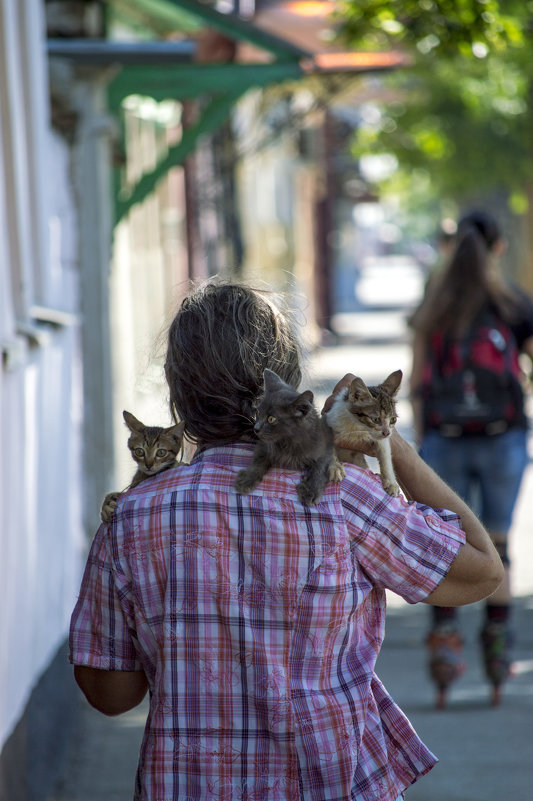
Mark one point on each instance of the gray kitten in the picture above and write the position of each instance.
(292, 435)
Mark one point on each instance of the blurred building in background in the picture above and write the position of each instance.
(41, 389)
(143, 144)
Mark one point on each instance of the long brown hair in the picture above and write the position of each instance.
(468, 283)
(222, 338)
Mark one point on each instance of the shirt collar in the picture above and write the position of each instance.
(223, 454)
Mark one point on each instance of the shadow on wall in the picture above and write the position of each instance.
(33, 758)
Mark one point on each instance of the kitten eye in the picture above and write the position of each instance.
(393, 420)
(376, 420)
(161, 452)
(272, 420)
(139, 452)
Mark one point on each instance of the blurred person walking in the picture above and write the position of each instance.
(470, 421)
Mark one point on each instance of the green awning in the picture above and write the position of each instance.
(222, 84)
(190, 16)
(187, 81)
(160, 64)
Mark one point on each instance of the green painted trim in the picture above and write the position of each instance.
(188, 16)
(187, 81)
(212, 118)
(152, 16)
(237, 28)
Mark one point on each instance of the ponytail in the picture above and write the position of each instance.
(456, 296)
(468, 282)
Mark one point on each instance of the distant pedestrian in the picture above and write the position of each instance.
(256, 621)
(470, 420)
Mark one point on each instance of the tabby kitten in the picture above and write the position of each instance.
(364, 414)
(153, 448)
(292, 435)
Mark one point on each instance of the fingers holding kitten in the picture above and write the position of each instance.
(344, 383)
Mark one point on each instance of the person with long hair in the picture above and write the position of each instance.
(256, 621)
(483, 463)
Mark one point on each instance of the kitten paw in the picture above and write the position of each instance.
(336, 471)
(108, 507)
(244, 483)
(307, 495)
(390, 487)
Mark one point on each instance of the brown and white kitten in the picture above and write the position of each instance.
(292, 435)
(362, 415)
(153, 448)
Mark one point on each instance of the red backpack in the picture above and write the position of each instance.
(472, 384)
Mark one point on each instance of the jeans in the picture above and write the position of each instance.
(486, 471)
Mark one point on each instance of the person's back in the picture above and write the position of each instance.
(260, 620)
(255, 621)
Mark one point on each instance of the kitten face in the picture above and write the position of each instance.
(372, 409)
(281, 409)
(376, 417)
(153, 448)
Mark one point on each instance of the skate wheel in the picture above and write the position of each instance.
(440, 703)
(496, 695)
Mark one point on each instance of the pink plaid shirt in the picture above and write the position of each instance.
(258, 622)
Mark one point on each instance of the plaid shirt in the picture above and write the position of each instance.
(258, 622)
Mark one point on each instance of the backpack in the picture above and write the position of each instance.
(472, 385)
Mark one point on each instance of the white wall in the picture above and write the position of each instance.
(41, 538)
(149, 276)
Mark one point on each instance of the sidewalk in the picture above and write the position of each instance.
(485, 753)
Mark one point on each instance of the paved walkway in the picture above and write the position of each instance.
(485, 753)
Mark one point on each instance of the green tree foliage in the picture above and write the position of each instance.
(463, 111)
(440, 27)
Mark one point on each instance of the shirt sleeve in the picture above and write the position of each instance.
(403, 546)
(100, 636)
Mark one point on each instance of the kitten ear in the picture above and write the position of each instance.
(304, 402)
(272, 379)
(132, 422)
(392, 382)
(177, 430)
(358, 391)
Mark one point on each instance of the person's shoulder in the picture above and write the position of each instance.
(154, 487)
(362, 488)
(520, 321)
(525, 303)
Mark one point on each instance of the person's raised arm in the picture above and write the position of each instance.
(477, 570)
